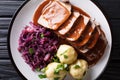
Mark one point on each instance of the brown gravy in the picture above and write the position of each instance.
(46, 2)
(79, 28)
(85, 37)
(39, 11)
(80, 10)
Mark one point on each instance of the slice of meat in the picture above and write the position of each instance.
(66, 5)
(96, 53)
(94, 39)
(80, 10)
(91, 43)
(38, 11)
(79, 28)
(69, 23)
(85, 35)
(55, 14)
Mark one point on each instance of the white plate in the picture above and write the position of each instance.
(24, 16)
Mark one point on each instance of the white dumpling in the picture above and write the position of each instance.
(50, 72)
(78, 69)
(66, 54)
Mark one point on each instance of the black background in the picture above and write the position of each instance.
(111, 9)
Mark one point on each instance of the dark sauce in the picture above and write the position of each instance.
(39, 11)
(80, 10)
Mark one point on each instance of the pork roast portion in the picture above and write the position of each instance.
(75, 27)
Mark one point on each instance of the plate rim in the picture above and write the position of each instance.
(14, 17)
(108, 21)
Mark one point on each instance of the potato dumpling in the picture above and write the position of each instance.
(78, 69)
(55, 71)
(66, 54)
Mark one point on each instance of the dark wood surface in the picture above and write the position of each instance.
(111, 9)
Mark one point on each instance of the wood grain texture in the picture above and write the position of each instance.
(111, 8)
(8, 7)
(7, 71)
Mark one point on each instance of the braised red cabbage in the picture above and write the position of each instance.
(37, 45)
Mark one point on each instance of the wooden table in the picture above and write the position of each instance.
(110, 7)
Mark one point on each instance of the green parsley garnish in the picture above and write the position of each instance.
(57, 78)
(38, 69)
(31, 51)
(64, 52)
(65, 66)
(44, 69)
(56, 71)
(60, 67)
(42, 35)
(65, 56)
(55, 59)
(76, 66)
(41, 76)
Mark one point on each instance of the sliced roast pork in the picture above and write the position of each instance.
(54, 14)
(74, 27)
(94, 54)
(68, 24)
(85, 37)
(79, 27)
(92, 41)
